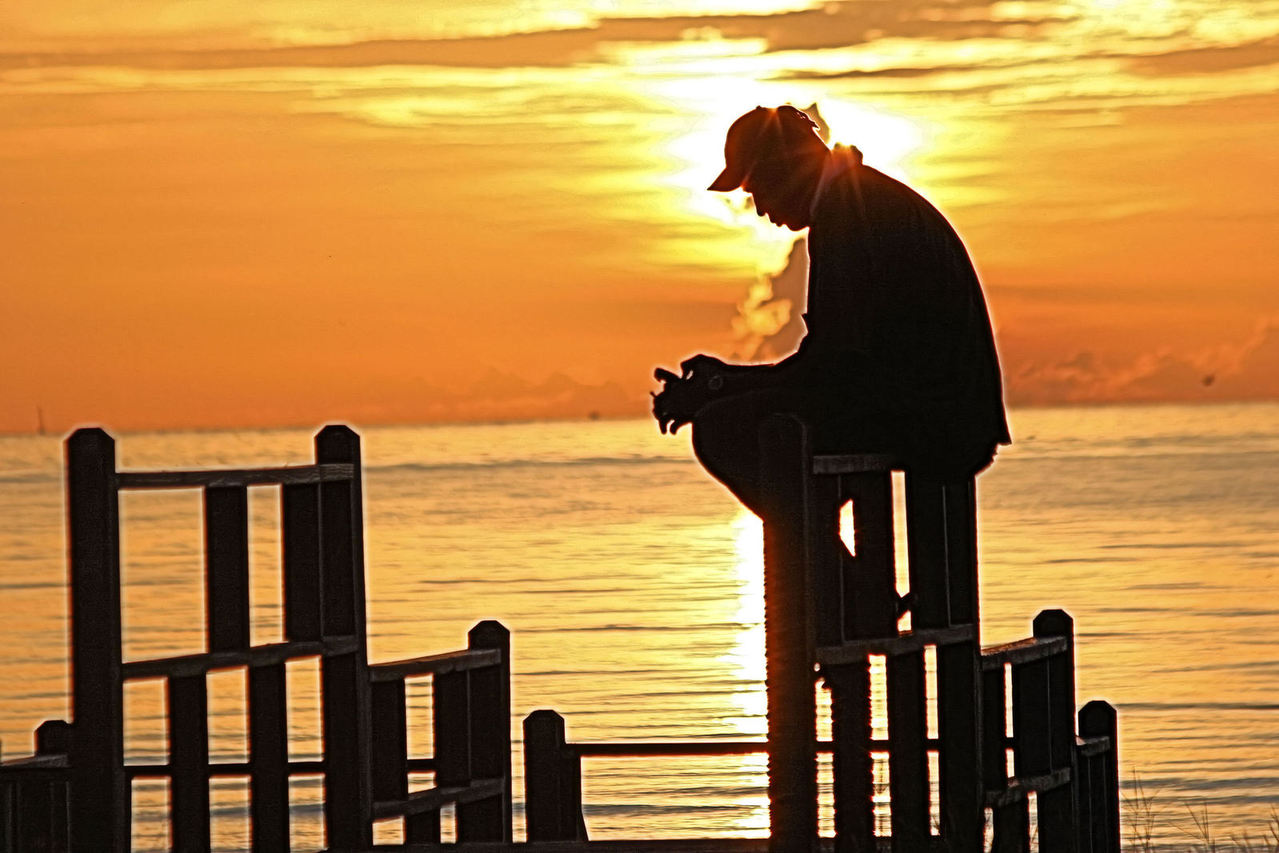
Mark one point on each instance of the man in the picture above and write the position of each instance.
(899, 356)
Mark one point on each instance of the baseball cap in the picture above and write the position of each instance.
(754, 134)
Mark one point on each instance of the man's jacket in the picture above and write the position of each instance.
(897, 324)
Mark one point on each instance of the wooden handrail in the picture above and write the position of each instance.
(438, 664)
(853, 651)
(855, 463)
(264, 655)
(432, 799)
(331, 472)
(1022, 651)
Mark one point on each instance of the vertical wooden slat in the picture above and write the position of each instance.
(226, 536)
(422, 828)
(961, 552)
(959, 761)
(788, 637)
(268, 758)
(1098, 719)
(490, 735)
(907, 756)
(452, 735)
(870, 579)
(99, 790)
(1011, 821)
(828, 556)
(551, 810)
(347, 712)
(926, 543)
(1057, 807)
(300, 535)
(852, 767)
(188, 714)
(941, 540)
(390, 742)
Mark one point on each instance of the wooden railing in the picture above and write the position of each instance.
(836, 607)
(84, 784)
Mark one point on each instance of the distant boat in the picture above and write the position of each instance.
(40, 430)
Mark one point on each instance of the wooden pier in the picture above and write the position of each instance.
(829, 611)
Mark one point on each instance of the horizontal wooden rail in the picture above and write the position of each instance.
(439, 664)
(662, 845)
(230, 769)
(433, 799)
(659, 749)
(291, 475)
(265, 655)
(1089, 746)
(854, 651)
(1022, 651)
(34, 773)
(1019, 786)
(855, 463)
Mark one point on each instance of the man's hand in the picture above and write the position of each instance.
(679, 401)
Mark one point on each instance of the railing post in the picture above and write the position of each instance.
(1098, 719)
(552, 781)
(490, 733)
(99, 789)
(1057, 808)
(789, 638)
(347, 713)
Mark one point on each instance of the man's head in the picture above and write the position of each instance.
(775, 155)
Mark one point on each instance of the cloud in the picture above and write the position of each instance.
(1199, 60)
(832, 26)
(769, 322)
(1246, 371)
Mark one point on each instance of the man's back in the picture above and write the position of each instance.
(892, 293)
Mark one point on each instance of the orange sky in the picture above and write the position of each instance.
(277, 213)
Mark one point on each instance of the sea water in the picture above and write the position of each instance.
(632, 587)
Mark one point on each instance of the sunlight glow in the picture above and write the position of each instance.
(889, 141)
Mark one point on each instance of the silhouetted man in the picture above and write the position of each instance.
(899, 356)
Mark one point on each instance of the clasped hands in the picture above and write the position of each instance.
(683, 396)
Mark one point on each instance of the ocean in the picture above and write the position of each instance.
(632, 587)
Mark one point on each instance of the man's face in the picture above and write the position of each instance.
(778, 192)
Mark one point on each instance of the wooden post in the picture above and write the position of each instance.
(226, 536)
(788, 638)
(1057, 807)
(268, 758)
(1098, 719)
(188, 714)
(347, 713)
(490, 735)
(99, 789)
(552, 781)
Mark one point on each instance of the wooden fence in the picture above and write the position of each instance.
(830, 609)
(76, 792)
(837, 607)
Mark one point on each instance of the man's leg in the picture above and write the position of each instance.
(726, 442)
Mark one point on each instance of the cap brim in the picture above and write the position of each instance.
(727, 181)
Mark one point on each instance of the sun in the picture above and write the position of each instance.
(888, 141)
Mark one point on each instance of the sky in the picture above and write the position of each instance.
(268, 213)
